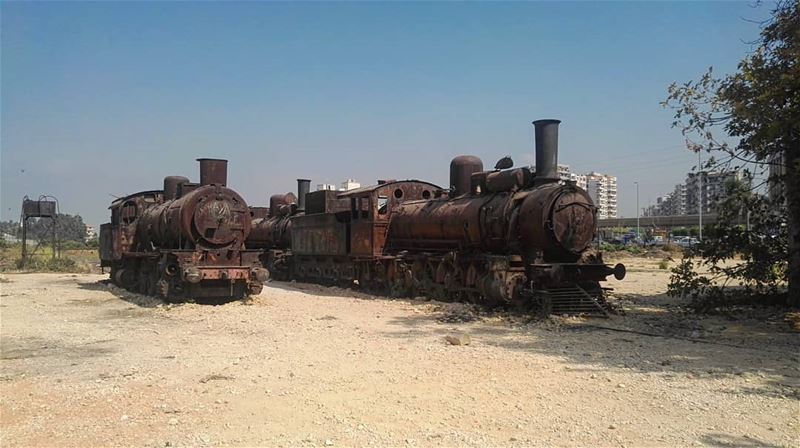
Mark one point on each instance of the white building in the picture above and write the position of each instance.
(350, 184)
(603, 190)
(90, 232)
(326, 187)
(601, 187)
(565, 174)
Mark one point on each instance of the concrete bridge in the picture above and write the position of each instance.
(661, 222)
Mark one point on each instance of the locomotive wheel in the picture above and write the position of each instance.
(451, 286)
(148, 280)
(164, 290)
(417, 287)
(472, 297)
(436, 290)
(448, 279)
(141, 281)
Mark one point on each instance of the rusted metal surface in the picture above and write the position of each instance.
(172, 186)
(119, 236)
(461, 169)
(372, 207)
(258, 212)
(186, 188)
(213, 171)
(38, 209)
(507, 180)
(280, 204)
(210, 216)
(442, 224)
(326, 201)
(268, 233)
(319, 234)
(558, 219)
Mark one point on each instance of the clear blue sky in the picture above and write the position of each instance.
(103, 99)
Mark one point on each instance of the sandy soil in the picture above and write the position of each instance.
(85, 364)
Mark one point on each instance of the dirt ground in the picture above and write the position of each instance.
(86, 364)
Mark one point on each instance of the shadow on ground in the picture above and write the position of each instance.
(726, 440)
(651, 337)
(142, 300)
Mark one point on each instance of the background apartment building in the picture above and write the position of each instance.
(349, 184)
(565, 174)
(601, 187)
(674, 203)
(603, 190)
(687, 198)
(707, 189)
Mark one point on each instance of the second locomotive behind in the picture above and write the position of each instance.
(502, 236)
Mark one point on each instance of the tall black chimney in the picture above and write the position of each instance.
(303, 187)
(546, 134)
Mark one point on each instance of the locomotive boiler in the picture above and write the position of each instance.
(514, 235)
(272, 233)
(186, 241)
(504, 236)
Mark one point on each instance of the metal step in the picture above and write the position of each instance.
(572, 300)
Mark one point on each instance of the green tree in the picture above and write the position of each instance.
(759, 108)
(68, 228)
(10, 227)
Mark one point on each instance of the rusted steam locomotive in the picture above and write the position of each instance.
(506, 236)
(186, 241)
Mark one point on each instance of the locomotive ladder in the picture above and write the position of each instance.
(572, 300)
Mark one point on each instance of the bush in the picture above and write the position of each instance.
(606, 247)
(49, 265)
(671, 247)
(663, 264)
(734, 265)
(633, 249)
(72, 245)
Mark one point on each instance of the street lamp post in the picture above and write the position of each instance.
(700, 197)
(638, 234)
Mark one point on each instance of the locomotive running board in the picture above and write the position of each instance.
(571, 300)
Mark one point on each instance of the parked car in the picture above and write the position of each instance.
(686, 241)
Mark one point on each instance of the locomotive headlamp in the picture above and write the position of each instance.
(192, 275)
(262, 275)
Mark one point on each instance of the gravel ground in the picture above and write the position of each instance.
(86, 364)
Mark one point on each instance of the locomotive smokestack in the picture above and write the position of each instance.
(303, 187)
(213, 171)
(546, 134)
(171, 184)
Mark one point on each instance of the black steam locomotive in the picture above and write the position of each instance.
(185, 241)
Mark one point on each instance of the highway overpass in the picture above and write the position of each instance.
(661, 222)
